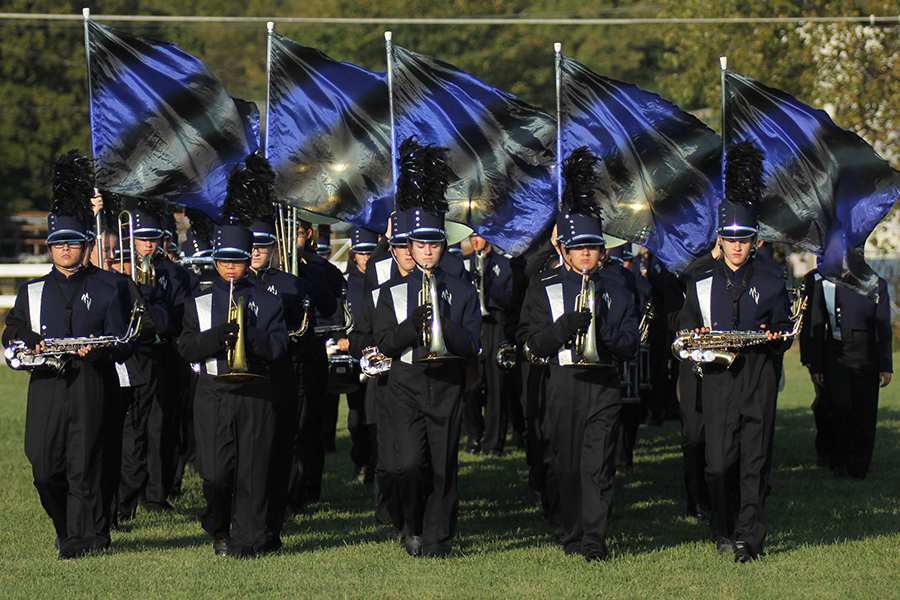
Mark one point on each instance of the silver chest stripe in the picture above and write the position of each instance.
(376, 293)
(828, 289)
(35, 295)
(204, 320)
(124, 378)
(383, 270)
(704, 299)
(558, 309)
(399, 295)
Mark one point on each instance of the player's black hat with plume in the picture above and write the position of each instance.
(743, 191)
(422, 190)
(72, 184)
(248, 202)
(579, 222)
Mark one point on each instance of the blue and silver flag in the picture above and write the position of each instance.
(825, 188)
(660, 175)
(161, 124)
(501, 149)
(328, 135)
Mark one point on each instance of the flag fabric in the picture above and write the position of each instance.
(328, 135)
(825, 188)
(161, 123)
(501, 149)
(660, 171)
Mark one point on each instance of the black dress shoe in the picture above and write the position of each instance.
(413, 545)
(473, 447)
(271, 545)
(56, 543)
(725, 545)
(397, 536)
(742, 553)
(220, 547)
(697, 511)
(155, 507)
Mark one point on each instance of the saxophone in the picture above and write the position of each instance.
(304, 324)
(58, 352)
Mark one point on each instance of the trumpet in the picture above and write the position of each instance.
(646, 318)
(373, 363)
(722, 347)
(58, 352)
(432, 333)
(479, 281)
(506, 355)
(304, 324)
(585, 343)
(235, 351)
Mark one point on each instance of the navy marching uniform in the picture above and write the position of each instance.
(851, 351)
(234, 423)
(69, 414)
(582, 403)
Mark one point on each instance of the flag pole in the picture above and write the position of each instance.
(723, 66)
(557, 49)
(389, 48)
(279, 225)
(98, 224)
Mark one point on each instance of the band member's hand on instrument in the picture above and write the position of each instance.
(701, 330)
(770, 335)
(34, 341)
(343, 345)
(97, 203)
(884, 378)
(227, 332)
(419, 315)
(576, 320)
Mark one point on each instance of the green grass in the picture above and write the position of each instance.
(828, 538)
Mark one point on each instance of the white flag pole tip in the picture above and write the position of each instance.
(723, 62)
(387, 36)
(270, 25)
(86, 13)
(557, 46)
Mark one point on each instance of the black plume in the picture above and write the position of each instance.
(744, 173)
(155, 207)
(581, 180)
(437, 178)
(250, 192)
(112, 206)
(411, 182)
(201, 224)
(72, 184)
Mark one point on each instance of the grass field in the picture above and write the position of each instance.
(828, 538)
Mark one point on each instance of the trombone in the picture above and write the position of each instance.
(235, 351)
(146, 271)
(432, 333)
(585, 343)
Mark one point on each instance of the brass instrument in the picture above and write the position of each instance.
(58, 352)
(506, 355)
(432, 333)
(646, 318)
(346, 326)
(373, 363)
(535, 360)
(146, 272)
(126, 226)
(304, 324)
(585, 342)
(479, 281)
(722, 347)
(236, 351)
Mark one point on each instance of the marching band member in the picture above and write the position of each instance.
(70, 413)
(425, 397)
(495, 388)
(738, 403)
(582, 402)
(234, 419)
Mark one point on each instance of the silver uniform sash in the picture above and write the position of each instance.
(124, 378)
(557, 310)
(383, 270)
(829, 290)
(204, 321)
(35, 296)
(704, 300)
(399, 294)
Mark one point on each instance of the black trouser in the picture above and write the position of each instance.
(284, 376)
(386, 501)
(582, 411)
(851, 394)
(361, 445)
(630, 419)
(66, 423)
(739, 423)
(693, 439)
(424, 413)
(235, 425)
(184, 386)
(543, 484)
(309, 455)
(491, 393)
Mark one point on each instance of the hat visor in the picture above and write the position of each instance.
(428, 234)
(147, 234)
(263, 239)
(231, 254)
(588, 239)
(66, 235)
(736, 232)
(363, 248)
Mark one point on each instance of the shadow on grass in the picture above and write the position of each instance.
(807, 506)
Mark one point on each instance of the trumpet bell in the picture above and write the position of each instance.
(239, 378)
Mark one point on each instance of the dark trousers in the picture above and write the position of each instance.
(386, 501)
(234, 427)
(424, 413)
(693, 439)
(65, 426)
(486, 412)
(542, 482)
(630, 419)
(739, 422)
(583, 411)
(851, 400)
(284, 376)
(361, 445)
(309, 456)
